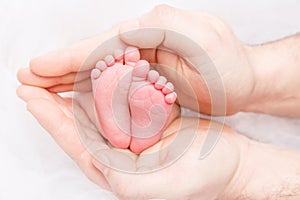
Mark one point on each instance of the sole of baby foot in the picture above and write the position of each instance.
(151, 99)
(111, 80)
(133, 105)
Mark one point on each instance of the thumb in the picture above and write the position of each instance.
(164, 28)
(148, 31)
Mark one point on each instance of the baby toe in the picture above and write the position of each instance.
(101, 65)
(109, 60)
(153, 76)
(171, 98)
(119, 55)
(160, 83)
(169, 87)
(132, 55)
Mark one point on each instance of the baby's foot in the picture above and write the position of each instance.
(111, 81)
(133, 105)
(151, 101)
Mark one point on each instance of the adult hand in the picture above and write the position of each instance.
(57, 72)
(253, 77)
(193, 178)
(236, 168)
(227, 60)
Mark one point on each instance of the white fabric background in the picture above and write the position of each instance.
(32, 166)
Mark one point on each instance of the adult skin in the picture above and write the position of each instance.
(254, 171)
(237, 168)
(261, 78)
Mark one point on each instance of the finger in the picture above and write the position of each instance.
(62, 129)
(55, 120)
(164, 27)
(25, 76)
(80, 57)
(81, 86)
(27, 93)
(130, 31)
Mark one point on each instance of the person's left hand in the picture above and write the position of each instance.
(188, 177)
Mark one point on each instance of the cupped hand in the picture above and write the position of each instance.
(199, 46)
(182, 177)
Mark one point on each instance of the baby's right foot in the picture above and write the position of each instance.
(133, 104)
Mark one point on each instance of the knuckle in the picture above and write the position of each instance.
(164, 11)
(33, 62)
(162, 8)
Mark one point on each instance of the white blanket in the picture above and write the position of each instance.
(32, 166)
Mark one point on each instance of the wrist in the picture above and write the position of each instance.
(238, 182)
(276, 75)
(259, 94)
(268, 172)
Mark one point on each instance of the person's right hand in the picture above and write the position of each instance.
(57, 70)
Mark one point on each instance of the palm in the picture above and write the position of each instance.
(88, 149)
(188, 175)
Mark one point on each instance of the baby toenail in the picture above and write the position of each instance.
(109, 60)
(168, 88)
(95, 73)
(153, 76)
(101, 65)
(171, 98)
(119, 53)
(160, 82)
